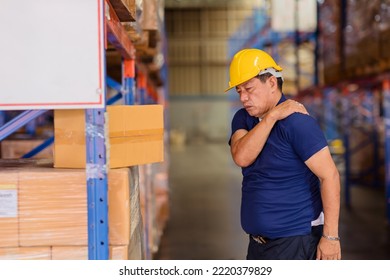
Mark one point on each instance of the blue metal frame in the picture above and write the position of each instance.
(130, 91)
(39, 148)
(330, 114)
(96, 171)
(386, 115)
(368, 138)
(19, 121)
(2, 118)
(113, 84)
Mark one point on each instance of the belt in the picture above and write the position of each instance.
(260, 239)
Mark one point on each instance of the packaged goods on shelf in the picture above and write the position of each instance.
(81, 252)
(361, 48)
(154, 202)
(47, 207)
(134, 136)
(124, 9)
(8, 209)
(16, 148)
(329, 40)
(25, 253)
(59, 253)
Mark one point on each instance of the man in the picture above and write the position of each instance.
(291, 187)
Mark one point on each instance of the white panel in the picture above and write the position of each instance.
(283, 15)
(52, 54)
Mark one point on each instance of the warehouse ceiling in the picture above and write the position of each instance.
(209, 3)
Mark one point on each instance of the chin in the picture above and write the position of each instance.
(251, 113)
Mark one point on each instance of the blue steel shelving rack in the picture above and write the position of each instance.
(96, 167)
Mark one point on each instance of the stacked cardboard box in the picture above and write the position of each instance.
(17, 148)
(134, 136)
(44, 212)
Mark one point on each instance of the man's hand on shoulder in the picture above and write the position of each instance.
(285, 109)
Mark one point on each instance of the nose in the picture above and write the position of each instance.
(243, 96)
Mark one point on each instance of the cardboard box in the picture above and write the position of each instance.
(134, 136)
(12, 149)
(44, 206)
(124, 9)
(25, 253)
(53, 207)
(8, 209)
(81, 252)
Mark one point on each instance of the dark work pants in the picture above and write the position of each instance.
(302, 247)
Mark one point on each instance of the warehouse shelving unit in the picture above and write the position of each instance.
(257, 32)
(351, 122)
(114, 12)
(353, 108)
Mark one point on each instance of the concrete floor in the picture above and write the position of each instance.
(205, 198)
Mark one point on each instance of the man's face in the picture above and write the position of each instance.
(255, 96)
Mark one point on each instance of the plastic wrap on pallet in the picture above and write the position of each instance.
(46, 207)
(136, 249)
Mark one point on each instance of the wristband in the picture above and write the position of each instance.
(332, 238)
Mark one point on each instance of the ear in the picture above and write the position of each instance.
(273, 83)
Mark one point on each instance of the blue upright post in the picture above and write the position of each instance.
(141, 87)
(368, 105)
(129, 81)
(329, 114)
(346, 123)
(96, 172)
(386, 108)
(2, 118)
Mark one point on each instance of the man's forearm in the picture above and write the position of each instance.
(330, 192)
(246, 149)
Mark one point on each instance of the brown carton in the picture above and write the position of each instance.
(134, 136)
(8, 209)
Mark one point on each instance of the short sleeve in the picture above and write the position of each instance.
(306, 136)
(239, 122)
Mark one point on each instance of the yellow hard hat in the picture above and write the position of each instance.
(249, 63)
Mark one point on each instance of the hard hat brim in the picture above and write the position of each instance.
(277, 74)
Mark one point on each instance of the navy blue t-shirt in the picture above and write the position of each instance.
(280, 195)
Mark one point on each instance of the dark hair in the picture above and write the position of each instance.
(264, 77)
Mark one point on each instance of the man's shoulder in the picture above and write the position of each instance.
(300, 123)
(241, 113)
(299, 118)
